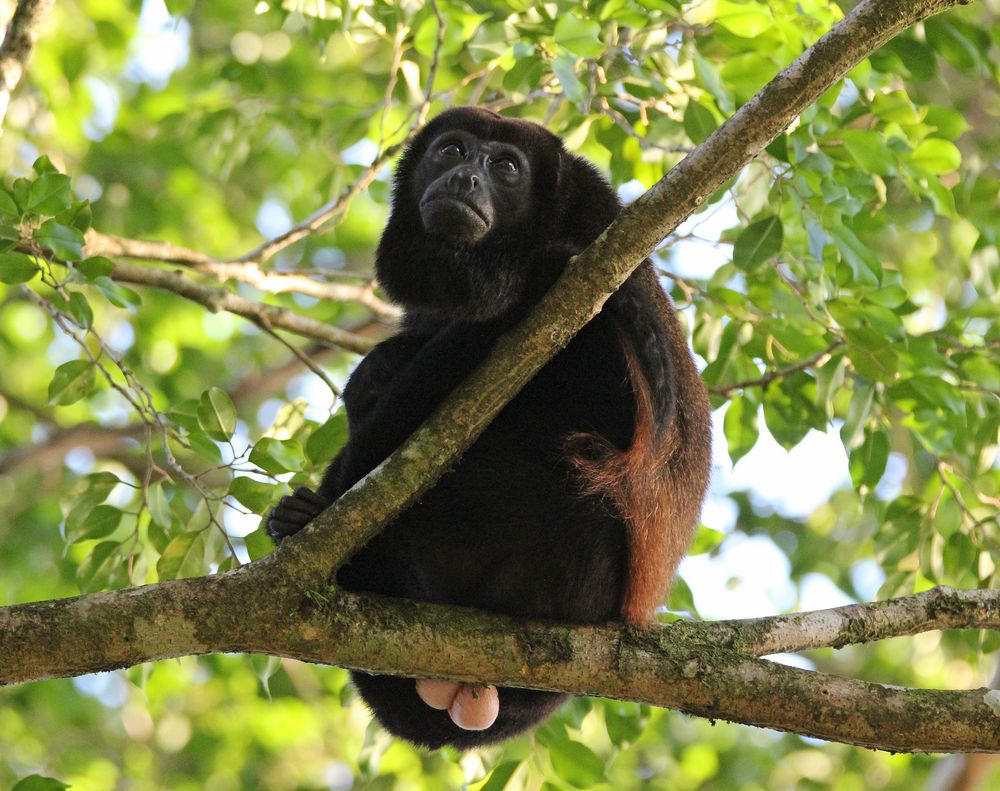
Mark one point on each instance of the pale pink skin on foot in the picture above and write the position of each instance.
(437, 693)
(471, 707)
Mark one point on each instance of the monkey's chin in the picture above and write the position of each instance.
(454, 220)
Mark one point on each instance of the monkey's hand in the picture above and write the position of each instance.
(293, 512)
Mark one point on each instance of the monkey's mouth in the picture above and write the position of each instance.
(442, 212)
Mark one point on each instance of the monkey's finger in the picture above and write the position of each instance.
(306, 495)
(437, 693)
(475, 708)
(282, 527)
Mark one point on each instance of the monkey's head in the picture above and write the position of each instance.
(485, 213)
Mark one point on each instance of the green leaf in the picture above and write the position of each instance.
(490, 42)
(117, 294)
(575, 763)
(916, 56)
(699, 122)
(17, 268)
(49, 194)
(158, 505)
(498, 779)
(745, 20)
(705, 540)
(758, 242)
(102, 568)
(579, 36)
(326, 440)
(71, 382)
(255, 495)
(277, 456)
(95, 267)
(865, 267)
(710, 78)
(8, 207)
(39, 783)
(64, 241)
(867, 463)
(852, 432)
(44, 165)
(624, 721)
(184, 557)
(937, 156)
(564, 67)
(178, 7)
(217, 414)
(21, 190)
(79, 215)
(79, 308)
(101, 522)
(740, 427)
(869, 150)
(258, 543)
(788, 411)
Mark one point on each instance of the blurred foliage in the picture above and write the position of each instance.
(861, 267)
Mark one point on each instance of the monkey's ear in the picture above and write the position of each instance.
(586, 202)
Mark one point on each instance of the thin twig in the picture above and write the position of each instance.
(818, 360)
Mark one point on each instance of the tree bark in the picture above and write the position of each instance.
(263, 608)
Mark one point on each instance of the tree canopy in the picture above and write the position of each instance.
(192, 193)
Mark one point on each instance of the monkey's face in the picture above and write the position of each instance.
(469, 187)
(476, 212)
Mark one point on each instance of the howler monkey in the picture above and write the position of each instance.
(578, 501)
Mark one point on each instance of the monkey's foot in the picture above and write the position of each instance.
(471, 707)
(293, 512)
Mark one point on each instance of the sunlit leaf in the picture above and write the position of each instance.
(217, 414)
(71, 382)
(17, 268)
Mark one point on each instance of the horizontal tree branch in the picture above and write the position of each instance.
(248, 272)
(680, 666)
(51, 452)
(216, 299)
(937, 608)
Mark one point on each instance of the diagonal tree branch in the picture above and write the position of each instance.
(595, 274)
(22, 33)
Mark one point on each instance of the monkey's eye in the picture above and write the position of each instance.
(452, 149)
(504, 163)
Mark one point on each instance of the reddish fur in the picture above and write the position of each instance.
(657, 483)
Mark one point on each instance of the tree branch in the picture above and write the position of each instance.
(216, 299)
(672, 665)
(819, 360)
(22, 33)
(248, 272)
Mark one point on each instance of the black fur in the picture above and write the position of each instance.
(508, 529)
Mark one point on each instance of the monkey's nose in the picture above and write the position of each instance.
(463, 181)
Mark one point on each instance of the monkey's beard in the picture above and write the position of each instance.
(477, 282)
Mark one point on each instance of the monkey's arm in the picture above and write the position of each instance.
(391, 392)
(406, 398)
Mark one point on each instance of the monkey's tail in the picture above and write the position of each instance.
(657, 484)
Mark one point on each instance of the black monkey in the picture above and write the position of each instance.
(579, 500)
